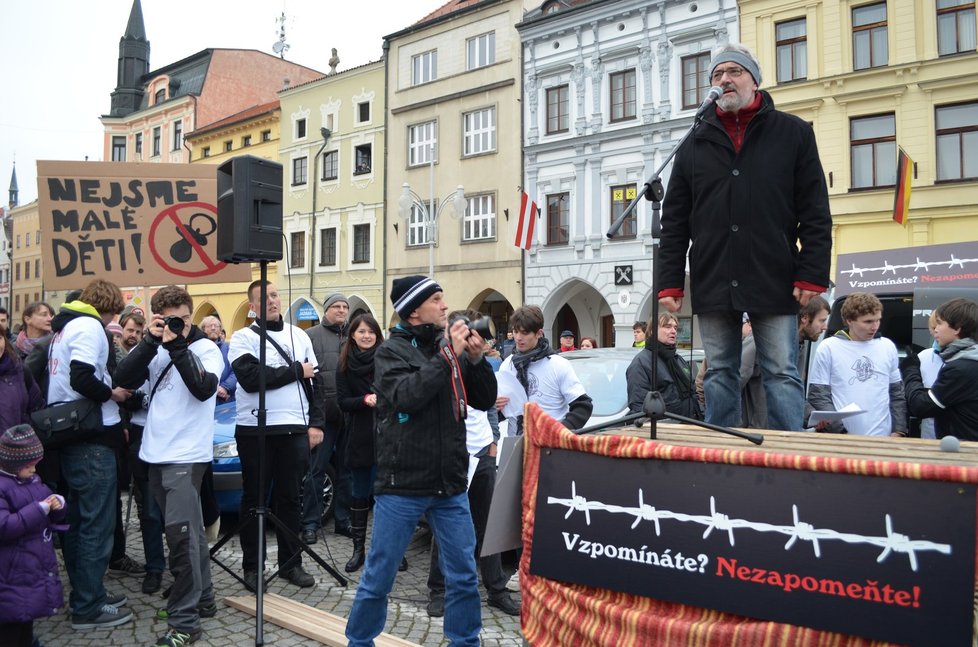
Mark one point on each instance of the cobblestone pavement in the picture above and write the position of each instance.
(406, 617)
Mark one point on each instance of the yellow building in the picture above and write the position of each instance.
(872, 77)
(254, 131)
(454, 82)
(25, 268)
(332, 154)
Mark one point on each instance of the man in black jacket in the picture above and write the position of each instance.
(327, 340)
(424, 378)
(952, 400)
(745, 191)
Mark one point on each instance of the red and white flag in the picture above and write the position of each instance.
(528, 218)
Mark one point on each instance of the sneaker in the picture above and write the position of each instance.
(309, 537)
(299, 577)
(514, 582)
(251, 581)
(505, 603)
(116, 600)
(126, 565)
(176, 638)
(207, 609)
(108, 616)
(204, 610)
(152, 582)
(436, 607)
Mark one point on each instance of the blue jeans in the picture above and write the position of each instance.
(776, 337)
(362, 481)
(89, 472)
(395, 518)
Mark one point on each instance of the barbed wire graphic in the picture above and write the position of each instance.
(953, 261)
(892, 542)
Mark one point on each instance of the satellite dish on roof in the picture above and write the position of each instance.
(278, 46)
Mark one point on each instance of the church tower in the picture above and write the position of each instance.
(133, 65)
(14, 199)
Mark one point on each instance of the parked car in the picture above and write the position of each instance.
(227, 465)
(602, 372)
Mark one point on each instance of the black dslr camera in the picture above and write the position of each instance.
(483, 326)
(174, 323)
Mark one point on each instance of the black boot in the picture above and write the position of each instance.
(358, 528)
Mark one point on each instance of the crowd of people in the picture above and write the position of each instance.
(412, 421)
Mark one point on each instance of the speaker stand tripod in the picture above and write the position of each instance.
(261, 512)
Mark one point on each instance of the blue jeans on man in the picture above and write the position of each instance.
(776, 337)
(395, 518)
(89, 471)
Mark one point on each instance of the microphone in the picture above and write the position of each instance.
(711, 97)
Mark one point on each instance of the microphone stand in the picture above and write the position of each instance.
(653, 191)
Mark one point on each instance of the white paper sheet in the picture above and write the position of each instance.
(510, 387)
(851, 409)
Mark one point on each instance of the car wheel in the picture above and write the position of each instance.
(329, 494)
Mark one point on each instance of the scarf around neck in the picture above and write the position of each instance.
(522, 361)
(360, 362)
(677, 371)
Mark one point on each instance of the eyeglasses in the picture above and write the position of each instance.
(732, 72)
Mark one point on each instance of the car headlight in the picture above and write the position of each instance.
(226, 450)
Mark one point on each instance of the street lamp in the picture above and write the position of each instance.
(411, 199)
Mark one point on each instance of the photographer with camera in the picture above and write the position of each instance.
(182, 367)
(289, 435)
(480, 440)
(424, 376)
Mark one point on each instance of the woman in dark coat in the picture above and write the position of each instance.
(19, 394)
(354, 391)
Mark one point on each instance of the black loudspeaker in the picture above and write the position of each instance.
(249, 210)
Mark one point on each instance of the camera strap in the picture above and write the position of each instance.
(158, 381)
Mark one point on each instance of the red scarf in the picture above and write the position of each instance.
(735, 123)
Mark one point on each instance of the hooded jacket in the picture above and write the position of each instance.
(420, 440)
(953, 399)
(79, 325)
(29, 584)
(743, 214)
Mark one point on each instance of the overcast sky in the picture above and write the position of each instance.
(59, 58)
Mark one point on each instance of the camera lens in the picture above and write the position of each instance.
(174, 323)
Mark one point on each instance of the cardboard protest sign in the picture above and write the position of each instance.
(131, 223)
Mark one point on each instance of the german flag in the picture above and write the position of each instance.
(901, 201)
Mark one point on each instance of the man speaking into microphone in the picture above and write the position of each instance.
(747, 198)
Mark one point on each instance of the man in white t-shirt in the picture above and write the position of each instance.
(855, 366)
(548, 379)
(183, 367)
(289, 367)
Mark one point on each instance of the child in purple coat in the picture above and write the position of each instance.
(29, 583)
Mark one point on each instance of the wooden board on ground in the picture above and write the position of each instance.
(307, 621)
(884, 448)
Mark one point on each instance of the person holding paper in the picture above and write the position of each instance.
(547, 379)
(857, 366)
(952, 400)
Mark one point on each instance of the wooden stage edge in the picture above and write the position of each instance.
(883, 448)
(307, 621)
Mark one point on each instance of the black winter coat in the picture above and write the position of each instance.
(745, 214)
(360, 421)
(638, 377)
(420, 442)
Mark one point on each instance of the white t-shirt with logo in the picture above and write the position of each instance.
(553, 384)
(83, 340)
(286, 405)
(859, 372)
(180, 428)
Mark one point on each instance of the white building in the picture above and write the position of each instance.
(610, 88)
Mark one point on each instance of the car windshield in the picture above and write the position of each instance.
(603, 378)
